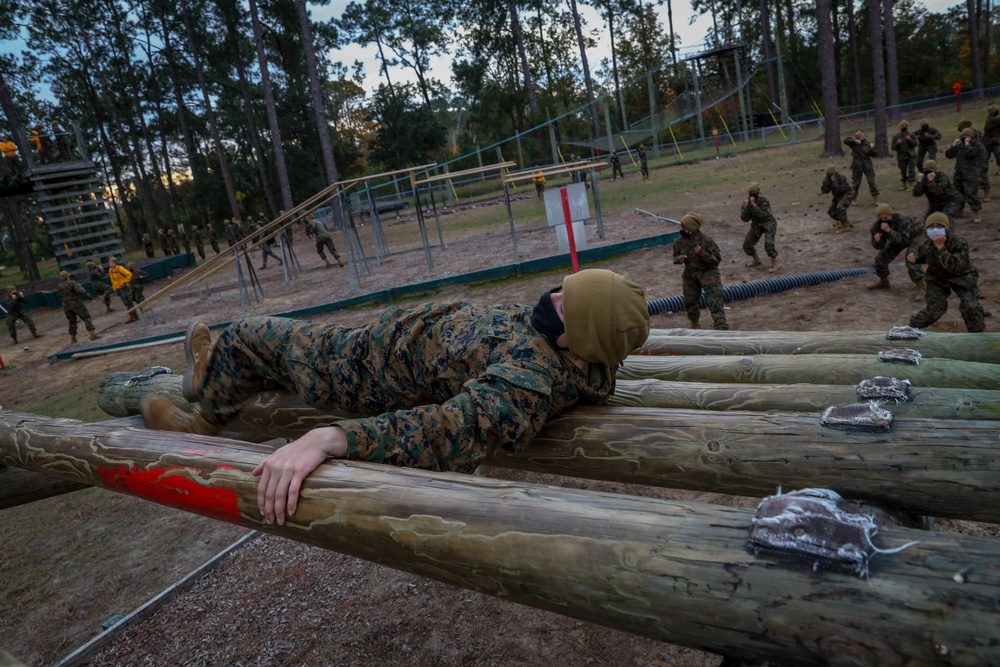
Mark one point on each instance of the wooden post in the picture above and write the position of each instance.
(672, 571)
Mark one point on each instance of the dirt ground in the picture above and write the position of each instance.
(69, 563)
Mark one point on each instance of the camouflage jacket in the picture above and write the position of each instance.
(838, 185)
(991, 131)
(759, 213)
(694, 263)
(96, 274)
(71, 294)
(951, 261)
(317, 229)
(939, 192)
(15, 304)
(903, 233)
(455, 374)
(904, 144)
(928, 136)
(969, 158)
(862, 151)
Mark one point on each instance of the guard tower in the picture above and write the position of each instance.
(68, 193)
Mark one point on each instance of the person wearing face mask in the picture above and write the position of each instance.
(441, 385)
(843, 195)
(948, 269)
(700, 256)
(756, 210)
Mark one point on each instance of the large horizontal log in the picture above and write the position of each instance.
(19, 486)
(810, 369)
(983, 347)
(278, 414)
(673, 571)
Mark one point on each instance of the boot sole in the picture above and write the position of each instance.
(188, 390)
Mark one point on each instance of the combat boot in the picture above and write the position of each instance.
(754, 260)
(919, 289)
(197, 350)
(94, 335)
(876, 202)
(340, 262)
(986, 194)
(774, 265)
(842, 227)
(13, 340)
(35, 334)
(162, 415)
(976, 217)
(327, 262)
(72, 338)
(109, 308)
(905, 186)
(694, 324)
(883, 283)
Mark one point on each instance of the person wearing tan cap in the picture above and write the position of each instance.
(700, 256)
(927, 138)
(905, 146)
(756, 210)
(892, 234)
(862, 153)
(843, 196)
(991, 134)
(949, 269)
(970, 161)
(941, 194)
(445, 384)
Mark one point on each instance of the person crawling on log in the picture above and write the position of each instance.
(446, 383)
(948, 268)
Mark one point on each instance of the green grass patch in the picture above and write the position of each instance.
(78, 402)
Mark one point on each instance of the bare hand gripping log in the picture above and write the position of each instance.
(673, 571)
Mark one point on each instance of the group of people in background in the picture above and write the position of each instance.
(48, 147)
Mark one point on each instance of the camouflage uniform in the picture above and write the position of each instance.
(447, 383)
(101, 288)
(643, 161)
(15, 311)
(616, 167)
(266, 249)
(316, 228)
(138, 279)
(199, 242)
(762, 223)
(862, 153)
(904, 144)
(991, 136)
(941, 195)
(147, 244)
(904, 234)
(164, 242)
(843, 195)
(231, 233)
(927, 139)
(183, 238)
(969, 162)
(949, 269)
(70, 295)
(701, 274)
(213, 238)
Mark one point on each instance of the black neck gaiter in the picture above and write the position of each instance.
(546, 320)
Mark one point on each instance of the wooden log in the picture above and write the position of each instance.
(19, 486)
(982, 347)
(279, 414)
(846, 369)
(673, 571)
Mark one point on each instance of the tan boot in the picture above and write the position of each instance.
(94, 335)
(340, 263)
(35, 334)
(904, 186)
(883, 283)
(774, 265)
(134, 316)
(72, 338)
(976, 217)
(842, 227)
(754, 260)
(197, 350)
(876, 202)
(109, 308)
(327, 262)
(162, 415)
(986, 194)
(919, 290)
(694, 324)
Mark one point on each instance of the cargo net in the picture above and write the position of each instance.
(817, 528)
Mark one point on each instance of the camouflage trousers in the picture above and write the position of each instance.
(768, 231)
(866, 170)
(12, 319)
(968, 183)
(326, 243)
(838, 207)
(267, 251)
(78, 310)
(103, 291)
(930, 152)
(126, 294)
(885, 256)
(907, 169)
(994, 152)
(710, 283)
(966, 287)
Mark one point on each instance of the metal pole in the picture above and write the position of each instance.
(744, 112)
(420, 222)
(607, 128)
(597, 203)
(697, 97)
(510, 219)
(651, 89)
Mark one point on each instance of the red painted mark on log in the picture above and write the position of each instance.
(179, 491)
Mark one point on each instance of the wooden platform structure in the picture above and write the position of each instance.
(676, 571)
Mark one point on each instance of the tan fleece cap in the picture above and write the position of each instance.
(691, 221)
(831, 169)
(883, 209)
(938, 218)
(605, 314)
(930, 164)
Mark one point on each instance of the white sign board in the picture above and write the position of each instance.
(579, 207)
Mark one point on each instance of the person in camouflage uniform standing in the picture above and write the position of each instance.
(984, 166)
(643, 161)
(927, 139)
(164, 242)
(991, 133)
(14, 306)
(616, 166)
(843, 196)
(446, 383)
(70, 294)
(941, 194)
(175, 247)
(700, 256)
(316, 228)
(948, 268)
(892, 234)
(139, 278)
(756, 210)
(183, 238)
(862, 153)
(147, 244)
(231, 237)
(213, 238)
(904, 143)
(101, 288)
(199, 242)
(970, 157)
(267, 249)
